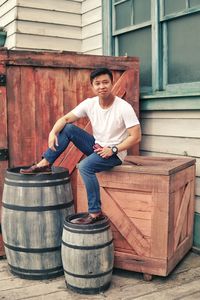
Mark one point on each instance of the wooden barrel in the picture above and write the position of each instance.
(87, 255)
(33, 213)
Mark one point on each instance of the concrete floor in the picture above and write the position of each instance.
(182, 283)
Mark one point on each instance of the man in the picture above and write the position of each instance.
(115, 129)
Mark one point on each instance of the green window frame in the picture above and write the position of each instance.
(159, 24)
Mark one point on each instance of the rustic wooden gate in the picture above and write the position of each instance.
(36, 88)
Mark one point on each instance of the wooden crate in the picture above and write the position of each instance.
(151, 208)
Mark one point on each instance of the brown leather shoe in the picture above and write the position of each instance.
(36, 170)
(88, 219)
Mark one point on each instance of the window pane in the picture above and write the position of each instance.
(138, 43)
(123, 14)
(173, 6)
(184, 49)
(142, 11)
(194, 3)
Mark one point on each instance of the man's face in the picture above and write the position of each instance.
(102, 85)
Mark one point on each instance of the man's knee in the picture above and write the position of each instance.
(81, 166)
(69, 129)
(84, 167)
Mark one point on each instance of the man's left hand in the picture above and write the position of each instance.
(104, 152)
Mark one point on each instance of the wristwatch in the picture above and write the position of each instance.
(114, 149)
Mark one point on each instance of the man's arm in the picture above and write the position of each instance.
(58, 126)
(133, 138)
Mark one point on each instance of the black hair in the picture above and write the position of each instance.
(100, 71)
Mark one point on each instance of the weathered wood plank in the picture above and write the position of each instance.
(123, 181)
(159, 226)
(72, 60)
(124, 285)
(182, 214)
(161, 154)
(132, 234)
(181, 178)
(37, 289)
(142, 264)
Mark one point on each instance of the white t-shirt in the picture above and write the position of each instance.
(109, 125)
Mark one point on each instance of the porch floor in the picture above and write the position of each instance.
(182, 283)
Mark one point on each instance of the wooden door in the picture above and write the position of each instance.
(43, 86)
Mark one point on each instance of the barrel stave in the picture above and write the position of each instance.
(88, 256)
(34, 209)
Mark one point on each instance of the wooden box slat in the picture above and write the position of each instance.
(150, 203)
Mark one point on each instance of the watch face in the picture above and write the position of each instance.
(114, 150)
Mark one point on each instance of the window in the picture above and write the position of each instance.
(165, 35)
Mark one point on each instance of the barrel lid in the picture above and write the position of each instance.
(86, 228)
(57, 173)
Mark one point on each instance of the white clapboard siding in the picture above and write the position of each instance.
(175, 145)
(3, 1)
(197, 188)
(42, 25)
(172, 127)
(92, 43)
(92, 30)
(61, 5)
(90, 5)
(197, 204)
(49, 16)
(8, 14)
(170, 115)
(91, 16)
(10, 41)
(27, 41)
(92, 27)
(6, 6)
(171, 133)
(45, 29)
(9, 17)
(11, 28)
(74, 20)
(94, 52)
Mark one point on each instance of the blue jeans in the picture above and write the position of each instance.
(89, 166)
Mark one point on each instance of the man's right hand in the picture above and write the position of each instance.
(53, 141)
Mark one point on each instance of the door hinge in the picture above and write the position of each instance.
(3, 154)
(2, 79)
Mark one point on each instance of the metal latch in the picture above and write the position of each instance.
(2, 79)
(3, 154)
